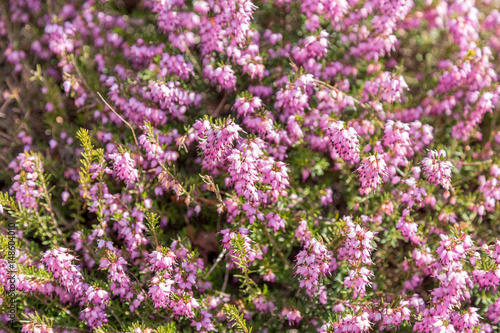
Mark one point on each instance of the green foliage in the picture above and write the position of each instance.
(238, 322)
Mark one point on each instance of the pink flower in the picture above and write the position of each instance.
(60, 263)
(437, 170)
(408, 229)
(124, 167)
(344, 141)
(313, 263)
(223, 76)
(216, 142)
(275, 221)
(26, 188)
(353, 323)
(94, 316)
(293, 315)
(372, 173)
(275, 173)
(245, 106)
(65, 196)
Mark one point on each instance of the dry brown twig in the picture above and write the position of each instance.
(477, 163)
(220, 106)
(330, 87)
(116, 113)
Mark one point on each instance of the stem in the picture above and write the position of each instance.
(193, 59)
(73, 62)
(14, 92)
(49, 207)
(71, 327)
(477, 163)
(116, 113)
(115, 316)
(68, 312)
(219, 258)
(221, 105)
(226, 279)
(280, 254)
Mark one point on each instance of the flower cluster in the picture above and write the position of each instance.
(173, 281)
(124, 167)
(28, 170)
(312, 263)
(344, 141)
(96, 300)
(437, 170)
(372, 173)
(59, 262)
(356, 250)
(216, 142)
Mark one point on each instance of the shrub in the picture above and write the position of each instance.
(312, 166)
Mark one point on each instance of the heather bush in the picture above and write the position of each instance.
(238, 166)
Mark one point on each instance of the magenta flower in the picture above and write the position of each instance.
(245, 107)
(436, 169)
(124, 167)
(275, 221)
(223, 76)
(313, 263)
(26, 185)
(372, 173)
(344, 141)
(244, 172)
(216, 143)
(276, 175)
(60, 263)
(253, 114)
(292, 315)
(94, 316)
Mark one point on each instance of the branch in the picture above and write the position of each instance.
(192, 58)
(275, 246)
(221, 105)
(219, 258)
(326, 85)
(116, 113)
(226, 279)
(477, 163)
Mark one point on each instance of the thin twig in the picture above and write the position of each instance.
(477, 163)
(116, 113)
(87, 86)
(275, 246)
(71, 225)
(139, 285)
(6, 136)
(49, 206)
(221, 105)
(226, 279)
(115, 316)
(5, 104)
(192, 58)
(338, 91)
(5, 161)
(328, 86)
(72, 328)
(219, 258)
(68, 312)
(15, 92)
